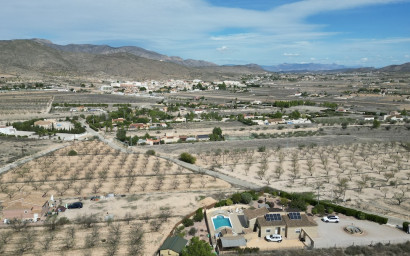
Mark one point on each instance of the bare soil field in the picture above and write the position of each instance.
(152, 195)
(12, 149)
(24, 103)
(98, 170)
(369, 176)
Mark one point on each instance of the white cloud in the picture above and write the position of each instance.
(290, 54)
(406, 56)
(364, 59)
(222, 49)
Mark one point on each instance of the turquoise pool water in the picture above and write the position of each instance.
(221, 221)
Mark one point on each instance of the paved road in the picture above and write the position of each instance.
(102, 138)
(229, 179)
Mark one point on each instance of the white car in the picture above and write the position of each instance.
(331, 218)
(273, 238)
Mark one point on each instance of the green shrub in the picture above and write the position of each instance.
(188, 158)
(330, 210)
(405, 226)
(261, 149)
(236, 198)
(192, 231)
(319, 209)
(199, 215)
(246, 198)
(229, 202)
(187, 222)
(298, 203)
(150, 152)
(63, 221)
(361, 215)
(72, 153)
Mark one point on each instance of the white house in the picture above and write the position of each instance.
(299, 121)
(8, 130)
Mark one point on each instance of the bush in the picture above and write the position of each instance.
(261, 149)
(229, 202)
(192, 231)
(330, 210)
(236, 198)
(150, 152)
(72, 153)
(298, 203)
(188, 158)
(361, 215)
(63, 221)
(199, 215)
(319, 209)
(187, 222)
(246, 198)
(405, 226)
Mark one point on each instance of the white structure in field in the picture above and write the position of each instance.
(8, 130)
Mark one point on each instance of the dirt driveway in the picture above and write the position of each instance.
(333, 235)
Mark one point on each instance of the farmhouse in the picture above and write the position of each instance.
(276, 121)
(203, 137)
(172, 246)
(288, 224)
(138, 126)
(46, 123)
(8, 130)
(25, 206)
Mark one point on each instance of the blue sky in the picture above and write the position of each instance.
(348, 32)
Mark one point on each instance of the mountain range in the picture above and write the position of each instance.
(42, 57)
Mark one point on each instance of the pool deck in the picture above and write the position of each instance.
(233, 212)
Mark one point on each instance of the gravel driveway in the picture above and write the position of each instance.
(333, 235)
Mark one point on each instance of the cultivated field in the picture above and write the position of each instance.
(370, 176)
(24, 104)
(156, 195)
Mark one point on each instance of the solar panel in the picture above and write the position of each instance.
(273, 217)
(294, 216)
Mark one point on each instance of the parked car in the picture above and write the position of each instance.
(274, 238)
(95, 198)
(331, 218)
(75, 205)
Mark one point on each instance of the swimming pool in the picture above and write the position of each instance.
(221, 221)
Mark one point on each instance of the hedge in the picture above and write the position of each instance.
(337, 208)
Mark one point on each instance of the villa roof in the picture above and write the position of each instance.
(264, 223)
(251, 214)
(234, 241)
(174, 243)
(303, 222)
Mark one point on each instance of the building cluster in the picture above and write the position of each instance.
(171, 85)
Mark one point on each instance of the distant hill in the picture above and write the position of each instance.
(396, 68)
(305, 67)
(134, 50)
(34, 57)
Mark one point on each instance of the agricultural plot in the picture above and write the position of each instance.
(24, 103)
(370, 176)
(94, 168)
(156, 195)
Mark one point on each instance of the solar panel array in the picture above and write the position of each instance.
(273, 216)
(294, 216)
